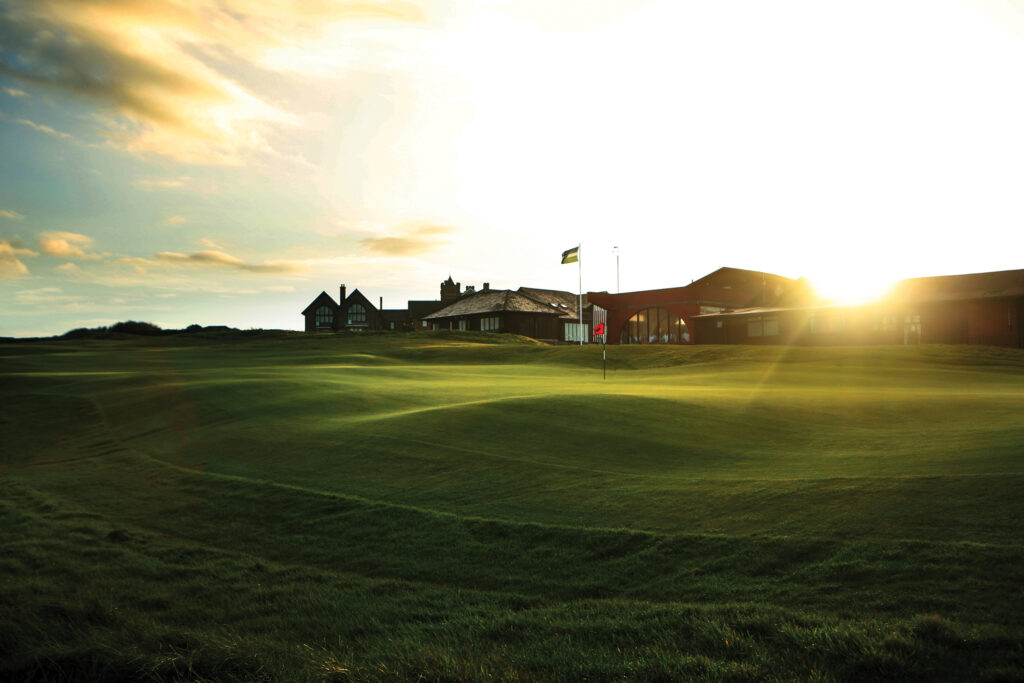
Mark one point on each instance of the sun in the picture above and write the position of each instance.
(851, 288)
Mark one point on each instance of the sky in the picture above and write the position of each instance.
(223, 161)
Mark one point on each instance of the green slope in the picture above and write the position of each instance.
(451, 506)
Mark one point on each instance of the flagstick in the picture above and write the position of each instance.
(579, 262)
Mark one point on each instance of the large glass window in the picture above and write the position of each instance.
(490, 324)
(324, 317)
(825, 323)
(356, 314)
(654, 326)
(912, 328)
(574, 332)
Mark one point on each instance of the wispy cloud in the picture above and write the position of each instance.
(11, 215)
(184, 182)
(209, 244)
(153, 67)
(165, 184)
(42, 128)
(409, 241)
(46, 295)
(138, 263)
(11, 265)
(14, 92)
(67, 245)
(175, 220)
(222, 259)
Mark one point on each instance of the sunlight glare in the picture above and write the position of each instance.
(841, 287)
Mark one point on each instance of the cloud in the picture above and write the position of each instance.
(14, 92)
(175, 220)
(222, 259)
(209, 244)
(68, 267)
(46, 295)
(43, 128)
(152, 69)
(205, 257)
(201, 185)
(138, 263)
(66, 245)
(10, 265)
(170, 183)
(11, 215)
(410, 241)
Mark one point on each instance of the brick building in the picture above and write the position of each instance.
(977, 308)
(664, 316)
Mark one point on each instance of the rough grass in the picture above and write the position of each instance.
(475, 507)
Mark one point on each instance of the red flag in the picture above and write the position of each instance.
(599, 329)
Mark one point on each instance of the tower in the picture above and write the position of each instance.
(450, 291)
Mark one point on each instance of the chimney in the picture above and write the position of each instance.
(342, 295)
(381, 304)
(487, 285)
(470, 289)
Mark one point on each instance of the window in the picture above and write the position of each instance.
(574, 332)
(324, 317)
(356, 314)
(767, 326)
(912, 328)
(711, 309)
(491, 324)
(654, 326)
(392, 325)
(463, 324)
(826, 323)
(884, 323)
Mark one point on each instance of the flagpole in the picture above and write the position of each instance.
(579, 261)
(618, 289)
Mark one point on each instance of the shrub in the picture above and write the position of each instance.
(134, 327)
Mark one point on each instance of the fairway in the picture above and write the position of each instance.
(450, 506)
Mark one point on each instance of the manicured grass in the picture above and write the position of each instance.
(478, 507)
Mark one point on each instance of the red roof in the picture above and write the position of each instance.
(1003, 283)
(724, 287)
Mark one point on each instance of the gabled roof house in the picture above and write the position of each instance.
(352, 312)
(538, 313)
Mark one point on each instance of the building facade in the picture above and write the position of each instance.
(351, 312)
(665, 316)
(545, 314)
(978, 308)
(728, 306)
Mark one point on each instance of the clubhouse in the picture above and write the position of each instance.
(545, 314)
(728, 306)
(732, 306)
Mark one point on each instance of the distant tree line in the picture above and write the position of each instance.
(145, 329)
